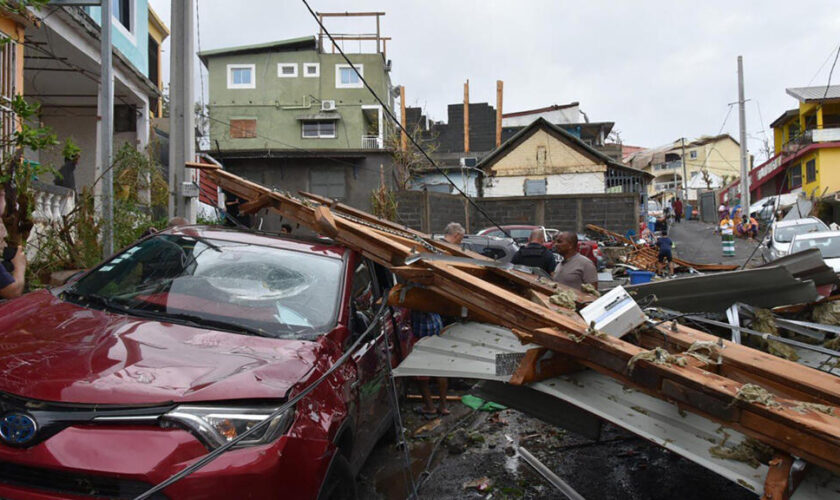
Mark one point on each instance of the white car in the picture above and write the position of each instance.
(777, 243)
(828, 243)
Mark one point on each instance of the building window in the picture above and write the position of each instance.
(311, 70)
(541, 155)
(243, 128)
(793, 131)
(535, 187)
(323, 129)
(692, 155)
(241, 76)
(328, 182)
(346, 77)
(810, 171)
(7, 94)
(121, 11)
(796, 176)
(287, 70)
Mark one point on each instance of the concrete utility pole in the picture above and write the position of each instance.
(106, 124)
(745, 168)
(181, 119)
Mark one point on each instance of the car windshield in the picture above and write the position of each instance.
(219, 284)
(786, 234)
(828, 246)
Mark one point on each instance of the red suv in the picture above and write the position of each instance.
(521, 233)
(179, 344)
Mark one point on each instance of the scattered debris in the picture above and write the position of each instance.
(752, 393)
(429, 427)
(710, 348)
(749, 451)
(482, 484)
(591, 331)
(804, 407)
(564, 298)
(457, 442)
(657, 356)
(827, 313)
(765, 322)
(776, 348)
(586, 287)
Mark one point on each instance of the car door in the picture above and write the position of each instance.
(370, 359)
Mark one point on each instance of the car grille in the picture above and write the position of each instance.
(73, 483)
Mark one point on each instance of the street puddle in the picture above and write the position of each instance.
(391, 480)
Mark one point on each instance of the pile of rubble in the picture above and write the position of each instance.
(791, 408)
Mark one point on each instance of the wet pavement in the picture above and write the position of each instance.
(478, 448)
(698, 242)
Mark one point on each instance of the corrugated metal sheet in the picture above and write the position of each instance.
(470, 350)
(807, 94)
(763, 287)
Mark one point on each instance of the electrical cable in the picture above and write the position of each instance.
(393, 118)
(206, 459)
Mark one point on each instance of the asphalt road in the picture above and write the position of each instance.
(698, 242)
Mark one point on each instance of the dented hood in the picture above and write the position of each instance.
(58, 351)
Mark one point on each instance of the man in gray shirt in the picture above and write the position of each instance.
(575, 269)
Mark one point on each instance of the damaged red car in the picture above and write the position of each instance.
(179, 344)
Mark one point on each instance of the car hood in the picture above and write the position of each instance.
(54, 350)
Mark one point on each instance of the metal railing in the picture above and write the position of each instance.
(668, 165)
(371, 142)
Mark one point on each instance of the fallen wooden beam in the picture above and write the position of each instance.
(781, 419)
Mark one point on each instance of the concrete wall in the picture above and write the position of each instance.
(430, 212)
(361, 177)
(555, 184)
(276, 103)
(133, 44)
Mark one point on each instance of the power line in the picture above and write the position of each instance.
(831, 72)
(390, 115)
(827, 57)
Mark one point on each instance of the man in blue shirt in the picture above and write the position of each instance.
(665, 244)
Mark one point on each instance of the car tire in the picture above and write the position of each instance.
(339, 484)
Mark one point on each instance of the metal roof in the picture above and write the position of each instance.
(811, 94)
(304, 42)
(471, 350)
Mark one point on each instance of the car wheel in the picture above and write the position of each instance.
(340, 484)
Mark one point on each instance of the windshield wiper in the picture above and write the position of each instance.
(92, 298)
(198, 321)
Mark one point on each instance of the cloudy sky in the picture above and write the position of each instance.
(659, 69)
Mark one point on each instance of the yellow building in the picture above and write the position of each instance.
(13, 23)
(806, 147)
(719, 156)
(158, 32)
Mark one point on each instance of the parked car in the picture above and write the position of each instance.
(777, 242)
(828, 243)
(179, 344)
(500, 249)
(520, 234)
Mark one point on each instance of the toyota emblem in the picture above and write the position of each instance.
(17, 429)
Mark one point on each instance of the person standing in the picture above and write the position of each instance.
(535, 254)
(665, 256)
(428, 324)
(678, 210)
(454, 233)
(575, 269)
(727, 236)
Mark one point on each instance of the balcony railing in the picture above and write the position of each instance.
(371, 142)
(51, 203)
(668, 165)
(665, 186)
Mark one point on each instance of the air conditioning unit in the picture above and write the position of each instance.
(327, 105)
(469, 161)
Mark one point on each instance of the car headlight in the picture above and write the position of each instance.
(216, 425)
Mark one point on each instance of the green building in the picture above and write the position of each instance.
(292, 116)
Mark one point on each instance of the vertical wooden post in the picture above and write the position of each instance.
(403, 136)
(467, 116)
(377, 33)
(499, 86)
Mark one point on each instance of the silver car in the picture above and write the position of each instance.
(777, 243)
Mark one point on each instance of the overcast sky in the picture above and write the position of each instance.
(659, 69)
